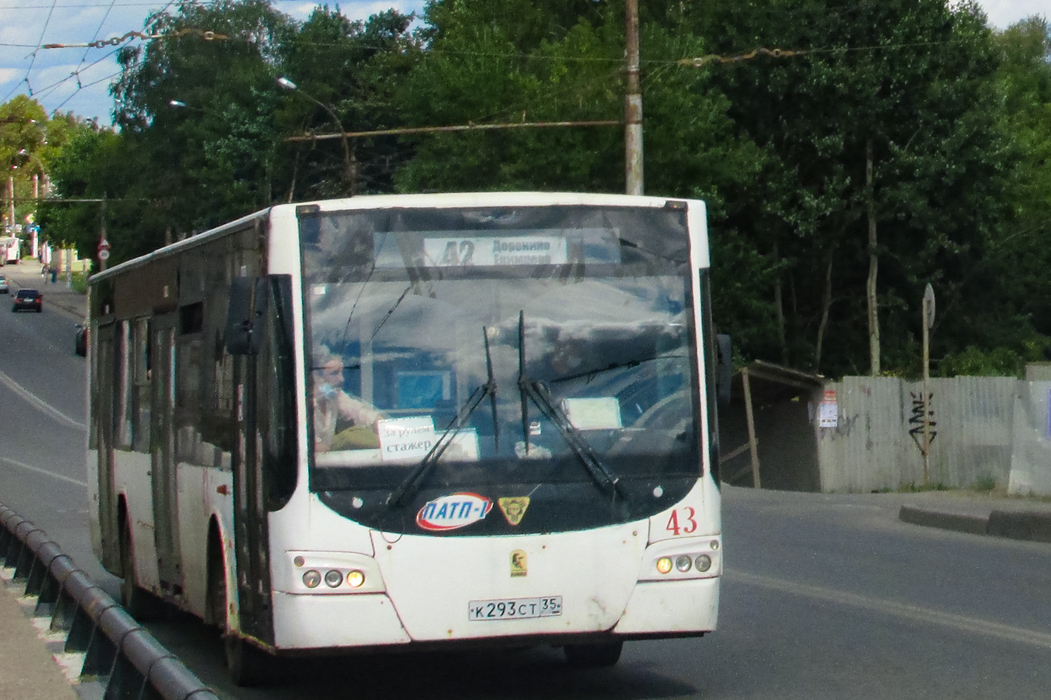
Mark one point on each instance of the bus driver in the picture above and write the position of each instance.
(341, 421)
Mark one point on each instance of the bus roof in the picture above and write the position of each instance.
(442, 200)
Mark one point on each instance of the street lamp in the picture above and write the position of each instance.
(348, 159)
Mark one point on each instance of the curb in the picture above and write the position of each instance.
(1027, 526)
(1035, 527)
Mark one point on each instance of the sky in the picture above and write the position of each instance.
(76, 79)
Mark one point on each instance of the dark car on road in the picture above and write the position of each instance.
(4, 288)
(81, 341)
(28, 299)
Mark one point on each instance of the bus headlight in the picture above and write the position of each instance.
(342, 573)
(682, 559)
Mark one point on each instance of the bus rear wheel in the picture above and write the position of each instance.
(601, 655)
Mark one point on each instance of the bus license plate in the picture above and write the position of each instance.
(514, 608)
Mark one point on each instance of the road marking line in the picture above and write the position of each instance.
(45, 472)
(40, 404)
(910, 613)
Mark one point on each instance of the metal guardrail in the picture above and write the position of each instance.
(118, 652)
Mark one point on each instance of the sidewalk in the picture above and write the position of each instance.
(28, 671)
(26, 274)
(980, 514)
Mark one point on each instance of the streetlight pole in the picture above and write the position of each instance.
(350, 180)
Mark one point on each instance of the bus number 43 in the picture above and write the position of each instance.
(681, 521)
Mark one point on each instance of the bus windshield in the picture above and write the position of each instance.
(517, 345)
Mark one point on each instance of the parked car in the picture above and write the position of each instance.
(81, 341)
(28, 299)
(4, 289)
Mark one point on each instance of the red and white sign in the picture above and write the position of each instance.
(828, 411)
(453, 512)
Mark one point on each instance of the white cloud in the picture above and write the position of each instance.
(1004, 13)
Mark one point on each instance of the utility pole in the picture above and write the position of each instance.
(11, 204)
(103, 251)
(632, 103)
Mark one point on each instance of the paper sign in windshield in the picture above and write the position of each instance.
(403, 439)
(516, 250)
(594, 414)
(453, 512)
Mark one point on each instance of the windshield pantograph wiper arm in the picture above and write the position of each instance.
(407, 488)
(535, 391)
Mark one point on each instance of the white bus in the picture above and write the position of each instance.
(415, 420)
(10, 250)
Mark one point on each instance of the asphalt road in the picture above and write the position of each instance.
(824, 597)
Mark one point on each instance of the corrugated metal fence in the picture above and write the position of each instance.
(1031, 457)
(986, 430)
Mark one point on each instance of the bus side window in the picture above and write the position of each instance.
(277, 394)
(140, 347)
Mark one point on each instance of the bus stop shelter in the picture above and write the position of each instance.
(767, 433)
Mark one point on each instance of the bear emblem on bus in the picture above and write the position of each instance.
(514, 508)
(453, 512)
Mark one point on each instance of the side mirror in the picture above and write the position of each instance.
(725, 370)
(245, 316)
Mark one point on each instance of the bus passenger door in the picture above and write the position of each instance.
(164, 483)
(109, 528)
(251, 533)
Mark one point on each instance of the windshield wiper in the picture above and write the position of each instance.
(537, 392)
(408, 488)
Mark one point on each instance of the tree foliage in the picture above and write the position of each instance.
(30, 144)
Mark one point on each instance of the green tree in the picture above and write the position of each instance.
(886, 162)
(346, 73)
(562, 62)
(1020, 255)
(30, 144)
(92, 166)
(196, 113)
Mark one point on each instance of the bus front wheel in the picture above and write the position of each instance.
(136, 601)
(601, 655)
(244, 662)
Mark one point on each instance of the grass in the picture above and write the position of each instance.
(920, 488)
(985, 484)
(80, 282)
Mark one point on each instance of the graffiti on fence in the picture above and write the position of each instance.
(917, 420)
